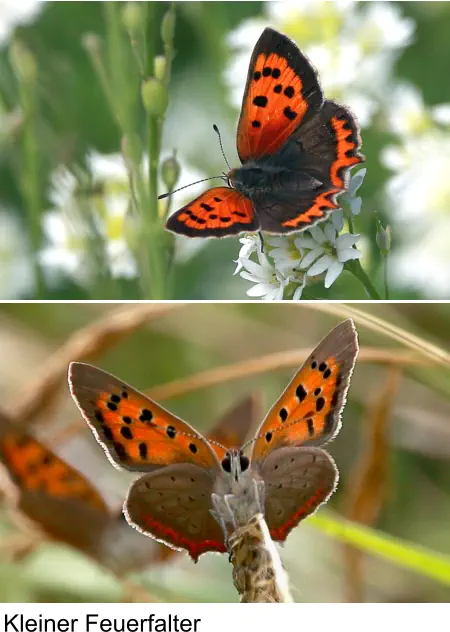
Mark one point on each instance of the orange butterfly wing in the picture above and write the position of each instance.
(35, 467)
(219, 212)
(309, 410)
(51, 492)
(282, 91)
(135, 432)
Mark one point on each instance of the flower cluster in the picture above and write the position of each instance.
(89, 210)
(91, 222)
(418, 193)
(289, 263)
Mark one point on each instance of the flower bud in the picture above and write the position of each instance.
(159, 67)
(154, 97)
(383, 238)
(91, 43)
(132, 149)
(168, 27)
(132, 16)
(170, 172)
(22, 61)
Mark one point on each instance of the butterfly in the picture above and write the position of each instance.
(295, 147)
(51, 492)
(183, 471)
(69, 509)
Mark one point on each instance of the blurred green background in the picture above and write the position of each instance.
(71, 118)
(392, 452)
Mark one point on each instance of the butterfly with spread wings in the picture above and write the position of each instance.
(296, 149)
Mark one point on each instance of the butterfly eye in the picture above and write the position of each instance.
(226, 464)
(245, 462)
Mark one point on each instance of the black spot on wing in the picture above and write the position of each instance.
(260, 101)
(301, 392)
(289, 114)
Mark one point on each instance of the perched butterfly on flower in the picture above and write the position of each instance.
(184, 473)
(296, 149)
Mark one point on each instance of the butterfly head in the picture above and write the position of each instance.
(255, 177)
(234, 463)
(239, 494)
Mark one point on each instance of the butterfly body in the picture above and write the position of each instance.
(195, 492)
(296, 149)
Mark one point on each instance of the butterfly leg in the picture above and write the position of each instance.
(223, 513)
(259, 491)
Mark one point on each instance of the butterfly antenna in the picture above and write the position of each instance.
(164, 195)
(216, 129)
(211, 441)
(204, 439)
(249, 442)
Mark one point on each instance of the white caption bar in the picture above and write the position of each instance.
(220, 617)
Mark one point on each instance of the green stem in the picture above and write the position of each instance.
(357, 270)
(152, 237)
(29, 175)
(153, 233)
(385, 276)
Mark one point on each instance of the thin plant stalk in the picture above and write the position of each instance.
(358, 271)
(385, 277)
(29, 164)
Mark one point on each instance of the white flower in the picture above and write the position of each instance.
(353, 45)
(407, 115)
(80, 216)
(328, 252)
(269, 282)
(250, 244)
(301, 280)
(418, 203)
(441, 113)
(419, 192)
(380, 26)
(285, 252)
(349, 197)
(16, 273)
(14, 12)
(423, 264)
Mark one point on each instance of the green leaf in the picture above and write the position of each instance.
(407, 555)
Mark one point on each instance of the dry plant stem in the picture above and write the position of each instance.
(258, 574)
(365, 496)
(88, 342)
(271, 362)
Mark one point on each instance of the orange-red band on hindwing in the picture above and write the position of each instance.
(322, 203)
(178, 540)
(280, 533)
(344, 147)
